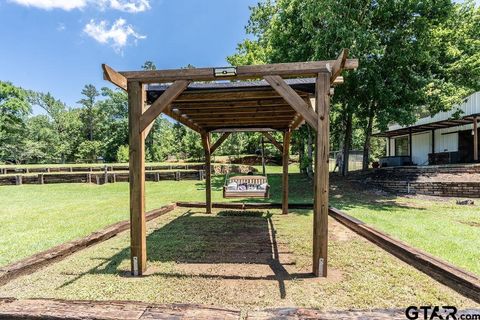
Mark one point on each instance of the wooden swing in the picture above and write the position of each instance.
(248, 186)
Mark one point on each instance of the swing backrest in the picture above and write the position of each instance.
(249, 179)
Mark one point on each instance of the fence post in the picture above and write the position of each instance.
(18, 180)
(177, 175)
(106, 175)
(89, 178)
(40, 178)
(157, 176)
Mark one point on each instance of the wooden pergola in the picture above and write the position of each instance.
(284, 97)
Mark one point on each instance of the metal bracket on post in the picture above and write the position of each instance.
(135, 266)
(320, 266)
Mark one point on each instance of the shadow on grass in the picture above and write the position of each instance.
(230, 237)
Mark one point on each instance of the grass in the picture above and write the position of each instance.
(35, 218)
(436, 225)
(226, 260)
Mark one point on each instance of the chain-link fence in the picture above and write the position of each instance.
(355, 159)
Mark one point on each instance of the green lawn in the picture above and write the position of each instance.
(36, 217)
(234, 259)
(433, 224)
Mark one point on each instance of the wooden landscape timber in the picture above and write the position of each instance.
(216, 106)
(39, 260)
(459, 280)
(463, 282)
(13, 309)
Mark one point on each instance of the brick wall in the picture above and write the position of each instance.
(405, 180)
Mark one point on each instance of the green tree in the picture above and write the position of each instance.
(89, 112)
(112, 126)
(14, 109)
(396, 41)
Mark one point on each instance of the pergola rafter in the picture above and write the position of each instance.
(280, 99)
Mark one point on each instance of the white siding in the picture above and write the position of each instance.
(470, 106)
(392, 147)
(421, 147)
(449, 142)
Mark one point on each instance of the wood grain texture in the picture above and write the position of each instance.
(321, 178)
(138, 246)
(293, 99)
(208, 172)
(162, 103)
(293, 69)
(114, 77)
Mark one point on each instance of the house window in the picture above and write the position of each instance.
(401, 146)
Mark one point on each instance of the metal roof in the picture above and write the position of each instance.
(300, 84)
(467, 111)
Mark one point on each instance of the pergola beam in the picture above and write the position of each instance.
(186, 122)
(273, 141)
(293, 99)
(212, 98)
(219, 142)
(114, 77)
(162, 103)
(232, 106)
(249, 113)
(295, 69)
(339, 65)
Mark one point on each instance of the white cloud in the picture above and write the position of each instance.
(117, 36)
(53, 4)
(131, 6)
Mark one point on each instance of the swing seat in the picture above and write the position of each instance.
(246, 186)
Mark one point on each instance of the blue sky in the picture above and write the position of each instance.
(59, 45)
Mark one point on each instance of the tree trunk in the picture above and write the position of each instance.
(347, 142)
(368, 137)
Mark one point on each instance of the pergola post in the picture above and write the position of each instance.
(475, 139)
(321, 179)
(138, 252)
(208, 173)
(285, 160)
(410, 144)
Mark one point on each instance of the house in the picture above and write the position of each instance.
(446, 138)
